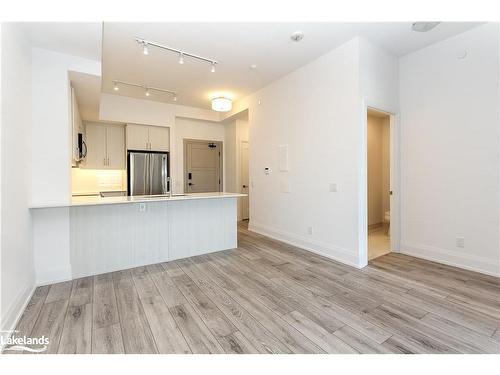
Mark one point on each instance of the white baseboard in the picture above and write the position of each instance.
(452, 258)
(326, 250)
(12, 316)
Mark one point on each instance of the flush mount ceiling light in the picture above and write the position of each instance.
(147, 89)
(182, 54)
(423, 27)
(222, 104)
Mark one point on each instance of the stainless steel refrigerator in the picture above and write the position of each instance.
(147, 173)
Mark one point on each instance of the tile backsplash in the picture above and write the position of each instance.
(97, 180)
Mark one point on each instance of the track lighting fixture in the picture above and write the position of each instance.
(182, 54)
(147, 89)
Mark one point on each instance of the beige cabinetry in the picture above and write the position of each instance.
(105, 146)
(149, 138)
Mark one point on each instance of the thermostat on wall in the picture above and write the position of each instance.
(267, 170)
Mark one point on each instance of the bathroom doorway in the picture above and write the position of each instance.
(379, 183)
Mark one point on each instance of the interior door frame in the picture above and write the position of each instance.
(242, 142)
(220, 144)
(395, 184)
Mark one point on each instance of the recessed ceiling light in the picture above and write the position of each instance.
(297, 36)
(423, 27)
(253, 66)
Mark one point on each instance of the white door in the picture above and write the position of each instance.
(96, 147)
(159, 138)
(115, 146)
(245, 181)
(137, 137)
(202, 166)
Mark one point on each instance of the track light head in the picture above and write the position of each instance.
(145, 49)
(212, 69)
(147, 92)
(175, 97)
(181, 58)
(115, 86)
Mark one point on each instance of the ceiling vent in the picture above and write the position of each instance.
(297, 36)
(423, 27)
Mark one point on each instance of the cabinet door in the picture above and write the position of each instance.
(137, 137)
(159, 138)
(115, 146)
(96, 147)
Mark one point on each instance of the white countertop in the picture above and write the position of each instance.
(97, 200)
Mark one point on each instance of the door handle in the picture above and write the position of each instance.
(244, 186)
(390, 192)
(190, 184)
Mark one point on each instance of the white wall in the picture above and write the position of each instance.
(236, 131)
(51, 158)
(195, 129)
(450, 165)
(17, 268)
(316, 110)
(375, 163)
(320, 112)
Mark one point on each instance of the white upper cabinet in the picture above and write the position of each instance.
(105, 146)
(159, 138)
(149, 138)
(115, 146)
(137, 137)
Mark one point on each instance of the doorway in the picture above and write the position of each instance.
(202, 166)
(379, 192)
(245, 181)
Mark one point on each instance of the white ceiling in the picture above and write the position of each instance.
(83, 39)
(235, 45)
(88, 94)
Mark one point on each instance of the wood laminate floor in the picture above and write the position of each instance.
(269, 297)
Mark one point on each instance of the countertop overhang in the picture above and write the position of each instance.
(95, 201)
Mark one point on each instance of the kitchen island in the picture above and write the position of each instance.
(116, 233)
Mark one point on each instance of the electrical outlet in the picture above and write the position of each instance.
(142, 207)
(460, 242)
(310, 230)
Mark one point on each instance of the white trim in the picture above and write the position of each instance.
(466, 261)
(16, 311)
(335, 253)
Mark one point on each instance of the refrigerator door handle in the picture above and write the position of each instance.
(164, 174)
(151, 162)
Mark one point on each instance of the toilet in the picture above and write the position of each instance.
(387, 219)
